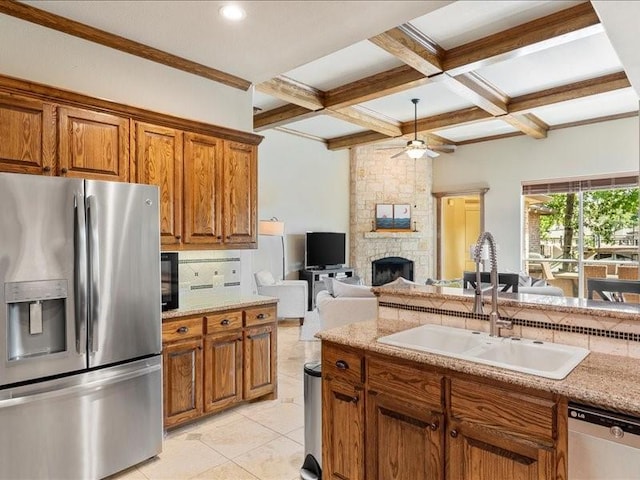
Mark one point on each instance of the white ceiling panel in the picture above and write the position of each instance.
(352, 63)
(324, 126)
(602, 105)
(581, 59)
(468, 20)
(434, 97)
(476, 130)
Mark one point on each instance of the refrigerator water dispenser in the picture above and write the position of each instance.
(36, 318)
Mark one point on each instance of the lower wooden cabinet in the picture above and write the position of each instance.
(212, 362)
(391, 419)
(182, 363)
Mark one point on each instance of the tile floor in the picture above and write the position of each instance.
(263, 440)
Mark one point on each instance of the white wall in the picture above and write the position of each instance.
(502, 165)
(304, 185)
(35, 53)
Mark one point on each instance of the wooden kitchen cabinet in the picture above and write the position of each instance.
(93, 145)
(158, 161)
(27, 135)
(220, 188)
(182, 370)
(260, 341)
(343, 414)
(403, 420)
(216, 360)
(223, 361)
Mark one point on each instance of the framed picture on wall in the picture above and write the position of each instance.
(384, 216)
(402, 217)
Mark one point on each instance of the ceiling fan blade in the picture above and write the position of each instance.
(432, 154)
(398, 154)
(444, 148)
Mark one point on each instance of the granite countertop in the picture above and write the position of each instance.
(218, 304)
(608, 381)
(596, 308)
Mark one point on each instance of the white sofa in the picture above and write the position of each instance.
(291, 294)
(347, 304)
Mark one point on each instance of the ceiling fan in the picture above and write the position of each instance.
(417, 148)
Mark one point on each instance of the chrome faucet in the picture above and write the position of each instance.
(495, 322)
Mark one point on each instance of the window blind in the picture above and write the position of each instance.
(577, 185)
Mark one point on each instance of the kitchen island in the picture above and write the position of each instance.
(410, 414)
(217, 354)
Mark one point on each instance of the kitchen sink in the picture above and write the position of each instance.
(549, 360)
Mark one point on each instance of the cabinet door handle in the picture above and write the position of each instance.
(225, 322)
(342, 365)
(63, 171)
(46, 168)
(453, 433)
(434, 426)
(218, 237)
(346, 398)
(178, 237)
(183, 330)
(261, 316)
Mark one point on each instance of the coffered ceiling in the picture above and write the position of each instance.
(344, 72)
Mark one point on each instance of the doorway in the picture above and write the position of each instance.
(460, 222)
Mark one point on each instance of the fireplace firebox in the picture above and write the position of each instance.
(385, 270)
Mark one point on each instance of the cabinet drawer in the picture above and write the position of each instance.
(415, 384)
(342, 364)
(223, 322)
(181, 329)
(510, 412)
(259, 316)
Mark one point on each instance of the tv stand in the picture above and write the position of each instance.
(315, 279)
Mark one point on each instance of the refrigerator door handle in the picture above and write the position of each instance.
(80, 272)
(94, 272)
(55, 391)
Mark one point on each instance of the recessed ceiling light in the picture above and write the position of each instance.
(233, 12)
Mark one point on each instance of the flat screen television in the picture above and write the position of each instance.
(324, 249)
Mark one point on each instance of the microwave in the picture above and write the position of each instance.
(169, 280)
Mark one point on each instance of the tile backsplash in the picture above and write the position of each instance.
(204, 274)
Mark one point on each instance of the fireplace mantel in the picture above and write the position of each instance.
(381, 234)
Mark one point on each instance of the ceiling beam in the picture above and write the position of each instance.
(401, 43)
(348, 141)
(86, 32)
(294, 92)
(375, 86)
(366, 119)
(476, 90)
(279, 116)
(527, 123)
(546, 32)
(585, 88)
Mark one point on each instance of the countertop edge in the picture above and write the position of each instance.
(220, 306)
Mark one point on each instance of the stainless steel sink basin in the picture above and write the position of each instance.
(549, 360)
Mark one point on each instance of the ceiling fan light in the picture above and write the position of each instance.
(416, 153)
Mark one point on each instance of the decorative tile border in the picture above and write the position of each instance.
(596, 332)
(208, 260)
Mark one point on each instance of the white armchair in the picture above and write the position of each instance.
(291, 294)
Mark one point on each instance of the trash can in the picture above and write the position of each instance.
(311, 468)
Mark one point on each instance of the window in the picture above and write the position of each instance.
(577, 229)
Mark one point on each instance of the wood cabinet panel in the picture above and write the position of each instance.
(405, 381)
(222, 370)
(224, 322)
(520, 414)
(240, 199)
(479, 454)
(342, 364)
(405, 441)
(343, 434)
(93, 145)
(182, 364)
(158, 161)
(259, 316)
(27, 136)
(202, 182)
(182, 329)
(259, 361)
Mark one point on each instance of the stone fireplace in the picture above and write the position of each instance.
(385, 270)
(376, 179)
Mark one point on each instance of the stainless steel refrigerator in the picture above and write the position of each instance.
(80, 327)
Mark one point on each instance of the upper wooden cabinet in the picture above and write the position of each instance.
(93, 145)
(240, 191)
(202, 189)
(158, 161)
(27, 135)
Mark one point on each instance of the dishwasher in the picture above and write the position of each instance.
(603, 445)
